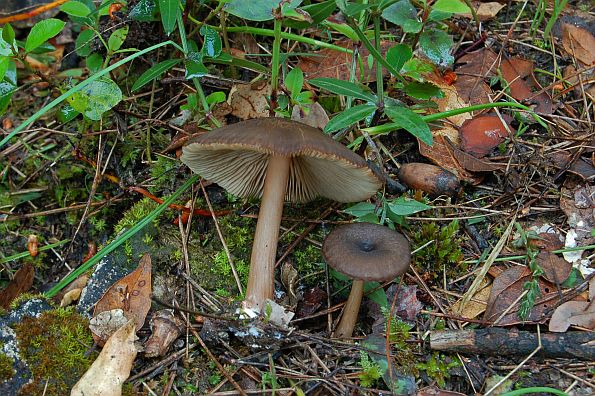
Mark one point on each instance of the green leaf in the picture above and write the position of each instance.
(411, 122)
(294, 81)
(8, 86)
(355, 8)
(318, 12)
(361, 209)
(8, 37)
(423, 90)
(5, 47)
(42, 31)
(349, 117)
(304, 97)
(4, 63)
(454, 6)
(117, 38)
(144, 11)
(342, 28)
(436, 44)
(96, 98)
(406, 206)
(75, 8)
(94, 62)
(212, 42)
(216, 97)
(66, 114)
(398, 55)
(83, 42)
(153, 72)
(169, 10)
(403, 14)
(195, 70)
(416, 68)
(346, 88)
(378, 295)
(257, 10)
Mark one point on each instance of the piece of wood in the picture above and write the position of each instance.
(499, 341)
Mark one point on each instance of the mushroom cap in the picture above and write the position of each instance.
(366, 251)
(236, 157)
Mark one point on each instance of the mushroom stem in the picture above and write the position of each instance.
(264, 250)
(345, 327)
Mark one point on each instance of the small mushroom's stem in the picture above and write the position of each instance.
(261, 281)
(345, 327)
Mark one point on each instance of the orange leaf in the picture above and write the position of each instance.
(22, 281)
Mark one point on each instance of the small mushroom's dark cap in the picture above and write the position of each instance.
(367, 251)
(236, 158)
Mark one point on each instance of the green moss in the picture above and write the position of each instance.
(444, 253)
(307, 260)
(6, 366)
(55, 346)
(133, 215)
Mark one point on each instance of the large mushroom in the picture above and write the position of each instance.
(364, 252)
(278, 160)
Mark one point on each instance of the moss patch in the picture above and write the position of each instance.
(55, 346)
(6, 366)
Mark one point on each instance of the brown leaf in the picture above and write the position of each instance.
(578, 166)
(250, 100)
(577, 313)
(481, 134)
(336, 64)
(435, 391)
(469, 162)
(22, 281)
(451, 100)
(78, 284)
(486, 10)
(556, 269)
(477, 305)
(407, 305)
(507, 288)
(518, 73)
(579, 43)
(131, 294)
(312, 301)
(472, 71)
(313, 115)
(546, 241)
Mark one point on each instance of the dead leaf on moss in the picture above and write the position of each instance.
(481, 134)
(518, 73)
(579, 43)
(131, 294)
(22, 282)
(112, 367)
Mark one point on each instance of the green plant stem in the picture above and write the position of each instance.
(379, 78)
(80, 86)
(434, 117)
(204, 103)
(275, 62)
(537, 389)
(376, 54)
(121, 239)
(271, 33)
(27, 254)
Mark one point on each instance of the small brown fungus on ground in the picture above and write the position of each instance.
(364, 252)
(278, 160)
(431, 179)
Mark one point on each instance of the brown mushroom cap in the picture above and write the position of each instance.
(236, 157)
(366, 251)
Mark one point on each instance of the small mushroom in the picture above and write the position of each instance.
(364, 252)
(278, 160)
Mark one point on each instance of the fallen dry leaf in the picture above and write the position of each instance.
(579, 166)
(165, 328)
(435, 391)
(546, 241)
(313, 115)
(577, 313)
(106, 323)
(336, 64)
(249, 101)
(478, 303)
(481, 134)
(112, 367)
(518, 73)
(312, 301)
(485, 10)
(579, 43)
(131, 294)
(472, 71)
(556, 269)
(78, 284)
(451, 100)
(507, 288)
(407, 306)
(22, 281)
(469, 162)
